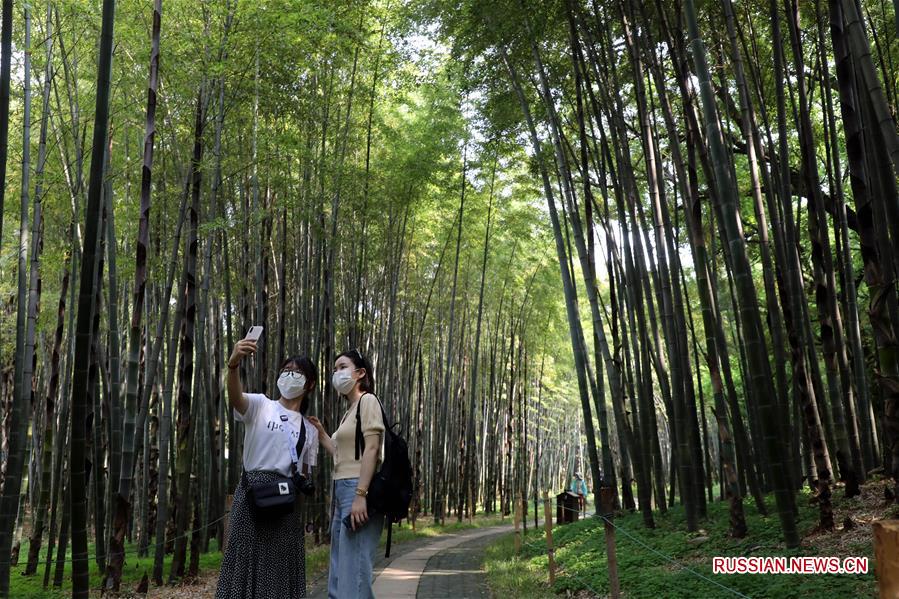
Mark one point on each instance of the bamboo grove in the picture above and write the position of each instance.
(724, 177)
(653, 239)
(210, 167)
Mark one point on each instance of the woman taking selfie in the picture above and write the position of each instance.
(355, 531)
(265, 555)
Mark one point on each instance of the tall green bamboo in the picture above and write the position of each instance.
(858, 386)
(46, 438)
(578, 347)
(5, 72)
(184, 459)
(86, 307)
(878, 264)
(18, 423)
(123, 492)
(757, 352)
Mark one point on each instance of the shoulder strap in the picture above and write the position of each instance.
(360, 441)
(301, 444)
(291, 448)
(389, 536)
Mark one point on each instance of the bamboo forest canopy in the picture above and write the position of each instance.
(655, 241)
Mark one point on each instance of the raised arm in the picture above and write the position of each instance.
(235, 389)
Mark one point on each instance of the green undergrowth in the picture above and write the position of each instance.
(582, 566)
(425, 527)
(132, 573)
(135, 567)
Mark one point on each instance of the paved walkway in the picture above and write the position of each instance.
(448, 565)
(457, 571)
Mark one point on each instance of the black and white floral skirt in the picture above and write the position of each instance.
(264, 558)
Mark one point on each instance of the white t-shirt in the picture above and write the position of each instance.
(263, 442)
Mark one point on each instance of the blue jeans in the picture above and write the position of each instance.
(352, 553)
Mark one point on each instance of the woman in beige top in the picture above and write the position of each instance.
(354, 531)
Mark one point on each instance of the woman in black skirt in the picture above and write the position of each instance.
(265, 556)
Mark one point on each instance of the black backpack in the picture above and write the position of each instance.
(390, 489)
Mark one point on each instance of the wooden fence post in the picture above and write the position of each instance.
(886, 556)
(517, 517)
(548, 524)
(607, 504)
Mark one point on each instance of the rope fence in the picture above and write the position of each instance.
(570, 574)
(535, 545)
(152, 547)
(668, 558)
(89, 557)
(638, 541)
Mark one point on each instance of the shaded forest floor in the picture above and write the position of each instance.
(204, 585)
(644, 570)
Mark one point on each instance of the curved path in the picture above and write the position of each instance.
(457, 571)
(444, 566)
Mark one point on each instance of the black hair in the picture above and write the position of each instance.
(308, 369)
(366, 383)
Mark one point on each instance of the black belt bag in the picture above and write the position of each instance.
(276, 498)
(272, 499)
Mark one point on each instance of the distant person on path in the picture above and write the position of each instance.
(265, 556)
(579, 488)
(356, 447)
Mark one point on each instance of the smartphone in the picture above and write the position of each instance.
(348, 522)
(254, 333)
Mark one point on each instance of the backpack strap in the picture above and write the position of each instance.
(360, 441)
(389, 536)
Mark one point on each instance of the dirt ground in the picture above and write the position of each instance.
(865, 509)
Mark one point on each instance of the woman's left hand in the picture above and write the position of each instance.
(359, 512)
(317, 424)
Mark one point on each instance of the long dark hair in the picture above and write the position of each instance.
(308, 369)
(367, 383)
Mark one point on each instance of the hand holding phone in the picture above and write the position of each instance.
(245, 347)
(348, 522)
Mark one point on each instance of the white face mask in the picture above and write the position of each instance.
(291, 384)
(343, 381)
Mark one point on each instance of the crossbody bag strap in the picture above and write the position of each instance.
(288, 444)
(301, 444)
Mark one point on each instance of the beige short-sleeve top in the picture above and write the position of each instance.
(345, 463)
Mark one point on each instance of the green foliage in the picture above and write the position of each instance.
(581, 560)
(317, 557)
(383, 106)
(134, 570)
(422, 115)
